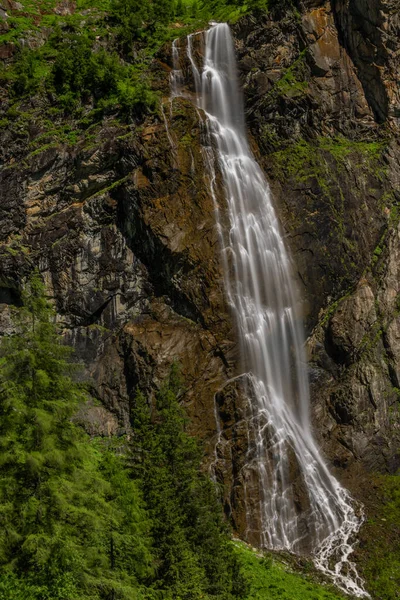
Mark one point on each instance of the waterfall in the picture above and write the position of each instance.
(262, 297)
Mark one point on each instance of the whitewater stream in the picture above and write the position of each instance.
(262, 297)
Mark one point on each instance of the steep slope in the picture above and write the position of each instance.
(120, 221)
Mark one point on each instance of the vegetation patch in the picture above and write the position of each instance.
(379, 553)
(305, 160)
(294, 80)
(89, 519)
(269, 579)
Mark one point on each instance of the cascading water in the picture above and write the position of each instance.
(261, 294)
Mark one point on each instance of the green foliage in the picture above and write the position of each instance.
(28, 72)
(81, 74)
(268, 579)
(136, 19)
(72, 525)
(381, 542)
(76, 72)
(231, 10)
(194, 556)
(305, 160)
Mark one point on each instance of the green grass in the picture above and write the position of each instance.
(341, 147)
(18, 27)
(97, 4)
(380, 543)
(270, 580)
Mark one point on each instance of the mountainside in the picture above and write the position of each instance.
(110, 200)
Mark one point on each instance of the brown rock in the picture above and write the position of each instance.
(7, 51)
(352, 323)
(65, 7)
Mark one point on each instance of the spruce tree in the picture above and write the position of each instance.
(194, 554)
(72, 524)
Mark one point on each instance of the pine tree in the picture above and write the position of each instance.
(72, 524)
(195, 559)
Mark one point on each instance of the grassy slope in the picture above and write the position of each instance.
(378, 554)
(271, 580)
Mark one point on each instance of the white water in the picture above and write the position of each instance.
(261, 294)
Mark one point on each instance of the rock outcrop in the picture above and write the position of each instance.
(121, 225)
(323, 110)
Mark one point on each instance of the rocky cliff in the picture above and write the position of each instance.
(121, 225)
(322, 100)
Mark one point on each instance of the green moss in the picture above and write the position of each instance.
(269, 139)
(99, 328)
(187, 140)
(11, 251)
(293, 82)
(42, 149)
(16, 249)
(305, 160)
(318, 165)
(19, 26)
(125, 136)
(108, 188)
(331, 309)
(341, 148)
(269, 579)
(377, 251)
(394, 217)
(35, 8)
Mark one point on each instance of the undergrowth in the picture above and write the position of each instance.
(268, 579)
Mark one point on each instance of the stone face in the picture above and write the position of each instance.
(372, 43)
(355, 358)
(122, 228)
(65, 7)
(316, 131)
(326, 130)
(123, 232)
(351, 325)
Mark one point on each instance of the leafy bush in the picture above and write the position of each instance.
(137, 20)
(82, 74)
(78, 73)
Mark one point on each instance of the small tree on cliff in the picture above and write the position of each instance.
(71, 520)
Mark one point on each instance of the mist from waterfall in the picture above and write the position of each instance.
(262, 296)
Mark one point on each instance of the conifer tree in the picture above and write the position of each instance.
(195, 558)
(72, 525)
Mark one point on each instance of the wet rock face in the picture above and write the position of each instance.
(322, 96)
(369, 31)
(334, 171)
(355, 365)
(351, 325)
(232, 448)
(235, 465)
